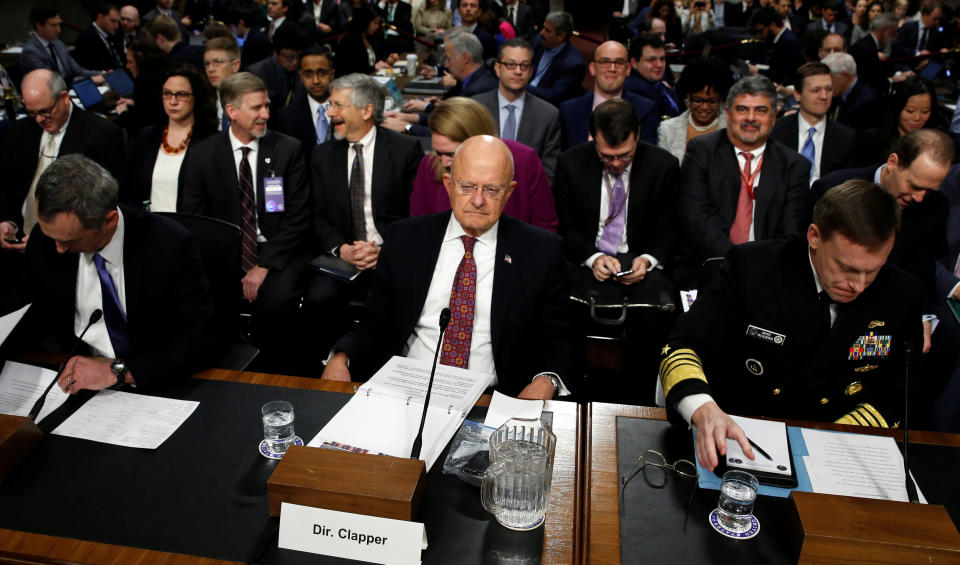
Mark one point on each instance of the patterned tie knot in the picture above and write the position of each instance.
(246, 151)
(468, 242)
(510, 108)
(358, 147)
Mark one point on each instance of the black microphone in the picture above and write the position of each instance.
(911, 486)
(418, 442)
(94, 318)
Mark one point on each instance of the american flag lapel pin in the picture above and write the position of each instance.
(508, 259)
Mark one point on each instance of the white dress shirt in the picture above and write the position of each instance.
(517, 110)
(607, 181)
(803, 129)
(235, 145)
(422, 343)
(369, 141)
(326, 112)
(757, 153)
(89, 297)
(165, 181)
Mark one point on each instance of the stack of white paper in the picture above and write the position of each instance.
(21, 386)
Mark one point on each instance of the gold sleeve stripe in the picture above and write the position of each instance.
(873, 412)
(861, 420)
(847, 419)
(681, 365)
(866, 415)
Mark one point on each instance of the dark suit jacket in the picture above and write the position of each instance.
(905, 45)
(330, 14)
(526, 21)
(786, 55)
(352, 55)
(769, 285)
(278, 80)
(528, 318)
(650, 212)
(640, 86)
(91, 52)
(735, 16)
(563, 77)
(950, 188)
(839, 142)
(256, 47)
(575, 117)
(395, 161)
(539, 126)
(210, 190)
(141, 162)
(184, 32)
(36, 56)
(490, 45)
(923, 228)
(168, 303)
(88, 134)
(862, 108)
(296, 121)
(838, 26)
(710, 186)
(869, 67)
(403, 19)
(482, 80)
(188, 54)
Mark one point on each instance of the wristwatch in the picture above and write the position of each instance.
(553, 379)
(119, 368)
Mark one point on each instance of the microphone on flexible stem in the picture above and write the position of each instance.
(911, 486)
(418, 442)
(94, 318)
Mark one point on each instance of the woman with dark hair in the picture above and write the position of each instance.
(703, 84)
(156, 159)
(361, 48)
(859, 21)
(910, 108)
(666, 10)
(148, 66)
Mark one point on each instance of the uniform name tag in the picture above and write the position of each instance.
(351, 536)
(766, 335)
(273, 194)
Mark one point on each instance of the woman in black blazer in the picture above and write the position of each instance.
(361, 48)
(156, 158)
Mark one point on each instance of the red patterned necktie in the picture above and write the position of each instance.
(248, 213)
(740, 230)
(459, 334)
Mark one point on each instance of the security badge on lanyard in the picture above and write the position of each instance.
(273, 192)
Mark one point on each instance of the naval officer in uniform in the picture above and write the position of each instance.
(813, 330)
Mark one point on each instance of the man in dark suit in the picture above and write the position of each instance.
(253, 40)
(828, 145)
(99, 46)
(166, 33)
(361, 184)
(279, 70)
(786, 50)
(609, 69)
(399, 14)
(828, 20)
(855, 103)
(518, 328)
(129, 26)
(536, 122)
(558, 66)
(328, 20)
(920, 37)
(825, 323)
(737, 14)
(165, 8)
(945, 390)
(521, 16)
(648, 62)
(307, 118)
(868, 52)
(918, 163)
(142, 271)
(44, 50)
(53, 128)
(470, 12)
(271, 204)
(727, 198)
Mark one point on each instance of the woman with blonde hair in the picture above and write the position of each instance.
(451, 123)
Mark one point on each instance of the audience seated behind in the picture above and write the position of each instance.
(470, 14)
(278, 71)
(913, 105)
(786, 50)
(156, 162)
(307, 118)
(648, 67)
(558, 67)
(855, 103)
(44, 50)
(167, 35)
(868, 51)
(453, 122)
(703, 84)
(399, 14)
(148, 66)
(536, 122)
(99, 46)
(361, 48)
(432, 18)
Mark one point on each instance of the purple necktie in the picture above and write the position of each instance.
(613, 230)
(113, 314)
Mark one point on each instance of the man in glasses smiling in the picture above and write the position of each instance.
(503, 280)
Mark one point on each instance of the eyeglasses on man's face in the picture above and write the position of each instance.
(491, 191)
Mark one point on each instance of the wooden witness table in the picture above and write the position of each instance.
(560, 542)
(601, 499)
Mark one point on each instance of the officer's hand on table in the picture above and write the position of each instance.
(539, 389)
(927, 333)
(336, 369)
(639, 266)
(605, 267)
(85, 373)
(714, 426)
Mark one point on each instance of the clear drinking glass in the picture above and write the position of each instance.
(516, 486)
(738, 492)
(278, 425)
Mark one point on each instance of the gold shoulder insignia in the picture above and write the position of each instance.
(865, 368)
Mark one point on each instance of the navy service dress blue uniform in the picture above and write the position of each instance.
(758, 340)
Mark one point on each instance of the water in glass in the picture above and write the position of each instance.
(737, 495)
(278, 426)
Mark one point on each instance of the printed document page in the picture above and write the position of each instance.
(20, 387)
(127, 419)
(408, 378)
(855, 465)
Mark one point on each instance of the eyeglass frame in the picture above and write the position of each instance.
(615, 63)
(46, 113)
(179, 96)
(641, 465)
(697, 101)
(491, 191)
(218, 62)
(512, 65)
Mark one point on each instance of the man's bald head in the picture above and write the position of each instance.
(46, 99)
(480, 182)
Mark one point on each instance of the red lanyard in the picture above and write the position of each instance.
(748, 177)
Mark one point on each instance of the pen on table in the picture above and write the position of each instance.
(760, 449)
